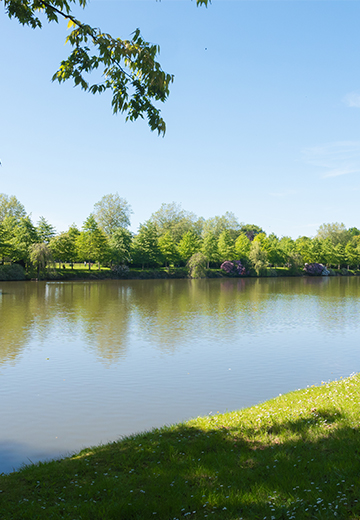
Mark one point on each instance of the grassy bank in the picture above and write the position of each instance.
(160, 273)
(294, 457)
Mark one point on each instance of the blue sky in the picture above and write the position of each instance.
(263, 118)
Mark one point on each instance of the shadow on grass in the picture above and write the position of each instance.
(307, 468)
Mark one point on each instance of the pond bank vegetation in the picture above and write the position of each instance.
(172, 243)
(293, 457)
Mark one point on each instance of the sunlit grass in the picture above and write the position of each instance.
(294, 457)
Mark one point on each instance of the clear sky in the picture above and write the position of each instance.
(263, 118)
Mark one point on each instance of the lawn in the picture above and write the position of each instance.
(294, 457)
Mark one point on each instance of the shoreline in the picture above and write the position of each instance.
(159, 274)
(289, 457)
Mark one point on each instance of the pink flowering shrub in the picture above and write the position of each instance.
(234, 268)
(314, 269)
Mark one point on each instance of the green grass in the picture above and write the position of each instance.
(294, 457)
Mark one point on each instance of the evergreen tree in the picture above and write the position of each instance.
(145, 246)
(45, 230)
(168, 249)
(209, 248)
(226, 246)
(120, 246)
(189, 245)
(242, 246)
(92, 244)
(23, 236)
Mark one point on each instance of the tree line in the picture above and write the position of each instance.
(171, 237)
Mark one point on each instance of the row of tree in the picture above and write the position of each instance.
(170, 237)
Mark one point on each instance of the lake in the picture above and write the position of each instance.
(83, 363)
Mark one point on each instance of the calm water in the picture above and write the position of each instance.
(84, 363)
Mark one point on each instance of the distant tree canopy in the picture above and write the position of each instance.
(112, 213)
(227, 222)
(11, 207)
(171, 218)
(171, 237)
(337, 233)
(128, 68)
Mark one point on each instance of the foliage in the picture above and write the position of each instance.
(197, 265)
(120, 271)
(352, 253)
(209, 248)
(337, 233)
(92, 244)
(171, 218)
(189, 245)
(250, 230)
(258, 257)
(129, 68)
(314, 269)
(354, 231)
(63, 246)
(145, 246)
(45, 231)
(344, 272)
(41, 257)
(168, 249)
(226, 245)
(233, 268)
(242, 246)
(120, 246)
(23, 236)
(227, 222)
(294, 263)
(5, 237)
(12, 272)
(112, 212)
(11, 207)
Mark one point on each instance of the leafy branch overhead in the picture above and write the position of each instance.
(129, 67)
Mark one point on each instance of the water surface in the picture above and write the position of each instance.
(87, 362)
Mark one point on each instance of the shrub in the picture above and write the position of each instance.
(233, 268)
(197, 266)
(12, 272)
(345, 272)
(120, 271)
(314, 269)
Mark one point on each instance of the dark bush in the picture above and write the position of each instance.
(314, 269)
(12, 272)
(120, 271)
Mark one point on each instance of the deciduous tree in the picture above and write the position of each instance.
(337, 233)
(217, 225)
(11, 207)
(172, 218)
(129, 68)
(40, 257)
(112, 212)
